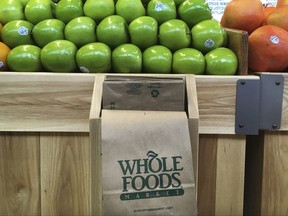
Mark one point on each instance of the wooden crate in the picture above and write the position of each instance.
(47, 163)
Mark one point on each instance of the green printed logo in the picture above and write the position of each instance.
(151, 177)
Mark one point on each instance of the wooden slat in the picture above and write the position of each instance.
(284, 122)
(193, 121)
(206, 190)
(221, 174)
(230, 175)
(238, 42)
(267, 175)
(45, 101)
(275, 174)
(253, 174)
(96, 148)
(217, 103)
(19, 174)
(65, 174)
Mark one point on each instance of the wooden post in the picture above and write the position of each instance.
(267, 168)
(222, 154)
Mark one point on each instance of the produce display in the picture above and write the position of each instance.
(268, 32)
(102, 36)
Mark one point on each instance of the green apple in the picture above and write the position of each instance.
(221, 61)
(47, 31)
(17, 32)
(11, 10)
(174, 34)
(67, 10)
(127, 58)
(162, 10)
(99, 9)
(38, 10)
(81, 31)
(157, 59)
(59, 56)
(113, 31)
(24, 58)
(130, 10)
(143, 32)
(188, 61)
(207, 35)
(94, 58)
(194, 11)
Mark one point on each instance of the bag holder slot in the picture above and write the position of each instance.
(95, 133)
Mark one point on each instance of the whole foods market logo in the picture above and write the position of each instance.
(151, 177)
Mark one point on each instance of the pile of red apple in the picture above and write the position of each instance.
(125, 36)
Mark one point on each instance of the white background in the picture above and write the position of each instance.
(217, 6)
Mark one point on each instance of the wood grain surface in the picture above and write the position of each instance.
(19, 173)
(193, 121)
(45, 101)
(284, 122)
(65, 174)
(217, 103)
(275, 174)
(238, 42)
(221, 174)
(96, 148)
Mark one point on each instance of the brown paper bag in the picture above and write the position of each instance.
(147, 163)
(144, 93)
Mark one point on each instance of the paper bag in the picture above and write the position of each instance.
(147, 163)
(144, 93)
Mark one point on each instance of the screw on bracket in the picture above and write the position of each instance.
(277, 83)
(274, 126)
(241, 125)
(243, 82)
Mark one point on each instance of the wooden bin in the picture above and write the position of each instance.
(47, 162)
(48, 156)
(48, 165)
(44, 144)
(267, 167)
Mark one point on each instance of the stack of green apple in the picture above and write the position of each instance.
(124, 36)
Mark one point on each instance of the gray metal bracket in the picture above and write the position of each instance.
(247, 107)
(259, 104)
(272, 87)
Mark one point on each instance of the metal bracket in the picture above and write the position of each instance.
(247, 107)
(272, 87)
(259, 104)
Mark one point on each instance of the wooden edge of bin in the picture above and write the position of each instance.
(193, 121)
(238, 42)
(45, 102)
(95, 147)
(284, 121)
(217, 103)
